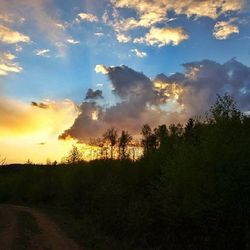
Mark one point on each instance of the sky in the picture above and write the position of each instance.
(69, 70)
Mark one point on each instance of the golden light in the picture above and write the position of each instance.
(31, 132)
(193, 73)
(172, 91)
(94, 115)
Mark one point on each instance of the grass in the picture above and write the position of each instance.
(83, 230)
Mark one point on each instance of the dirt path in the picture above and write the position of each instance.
(48, 236)
(8, 227)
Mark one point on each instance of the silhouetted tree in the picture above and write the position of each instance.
(149, 139)
(161, 133)
(225, 109)
(2, 161)
(124, 141)
(175, 130)
(29, 162)
(189, 133)
(74, 155)
(189, 126)
(111, 137)
(184, 196)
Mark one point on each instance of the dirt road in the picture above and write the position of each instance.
(24, 228)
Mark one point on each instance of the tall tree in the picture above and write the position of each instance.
(74, 155)
(124, 141)
(111, 137)
(161, 133)
(149, 139)
(225, 109)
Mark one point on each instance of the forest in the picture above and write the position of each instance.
(190, 189)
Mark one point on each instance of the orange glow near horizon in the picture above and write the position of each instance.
(30, 132)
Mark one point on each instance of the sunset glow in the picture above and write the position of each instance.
(70, 70)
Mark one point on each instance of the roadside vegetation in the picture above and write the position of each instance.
(189, 190)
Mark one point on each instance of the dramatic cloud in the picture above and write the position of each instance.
(203, 80)
(165, 99)
(139, 104)
(129, 84)
(139, 53)
(163, 36)
(87, 17)
(222, 30)
(7, 64)
(10, 36)
(93, 94)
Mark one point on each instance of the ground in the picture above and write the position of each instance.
(25, 228)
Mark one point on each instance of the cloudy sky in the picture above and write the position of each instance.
(71, 69)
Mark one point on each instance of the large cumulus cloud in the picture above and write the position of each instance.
(165, 99)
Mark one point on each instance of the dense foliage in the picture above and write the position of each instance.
(190, 190)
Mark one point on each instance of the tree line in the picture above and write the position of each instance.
(189, 190)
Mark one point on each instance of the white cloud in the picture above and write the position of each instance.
(139, 53)
(18, 48)
(87, 17)
(60, 26)
(72, 41)
(9, 56)
(42, 52)
(5, 69)
(99, 34)
(100, 85)
(43, 17)
(223, 30)
(7, 64)
(163, 36)
(122, 38)
(150, 13)
(153, 10)
(10, 36)
(101, 69)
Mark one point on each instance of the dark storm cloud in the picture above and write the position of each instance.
(129, 83)
(84, 126)
(93, 94)
(202, 80)
(143, 101)
(176, 77)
